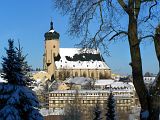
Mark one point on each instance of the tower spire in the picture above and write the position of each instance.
(51, 25)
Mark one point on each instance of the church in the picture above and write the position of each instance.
(62, 63)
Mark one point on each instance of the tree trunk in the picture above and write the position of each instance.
(157, 49)
(157, 44)
(155, 89)
(136, 65)
(154, 107)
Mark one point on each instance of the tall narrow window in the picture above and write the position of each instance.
(84, 74)
(101, 75)
(76, 74)
(92, 75)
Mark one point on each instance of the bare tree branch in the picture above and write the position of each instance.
(117, 34)
(145, 37)
(147, 1)
(123, 5)
(150, 9)
(137, 8)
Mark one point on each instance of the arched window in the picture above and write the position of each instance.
(92, 75)
(60, 75)
(76, 74)
(84, 74)
(67, 74)
(101, 75)
(106, 75)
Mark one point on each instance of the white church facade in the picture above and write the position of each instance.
(72, 62)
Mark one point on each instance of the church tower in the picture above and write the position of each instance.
(51, 50)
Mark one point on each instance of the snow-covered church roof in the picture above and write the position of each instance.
(76, 58)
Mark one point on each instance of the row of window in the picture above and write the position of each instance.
(88, 101)
(118, 108)
(124, 101)
(67, 73)
(79, 94)
(83, 94)
(79, 102)
(78, 62)
(149, 78)
(74, 65)
(123, 108)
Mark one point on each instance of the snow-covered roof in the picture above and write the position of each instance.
(103, 82)
(35, 72)
(78, 80)
(80, 91)
(120, 85)
(93, 92)
(114, 84)
(76, 58)
(51, 31)
(131, 83)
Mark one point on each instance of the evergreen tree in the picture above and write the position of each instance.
(97, 113)
(9, 64)
(110, 108)
(23, 67)
(18, 102)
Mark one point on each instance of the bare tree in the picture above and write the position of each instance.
(141, 19)
(73, 110)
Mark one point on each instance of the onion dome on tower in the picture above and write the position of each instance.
(51, 34)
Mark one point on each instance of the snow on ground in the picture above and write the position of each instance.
(2, 80)
(46, 112)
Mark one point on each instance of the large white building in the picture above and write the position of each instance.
(125, 98)
(66, 62)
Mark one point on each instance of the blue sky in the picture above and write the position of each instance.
(28, 20)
